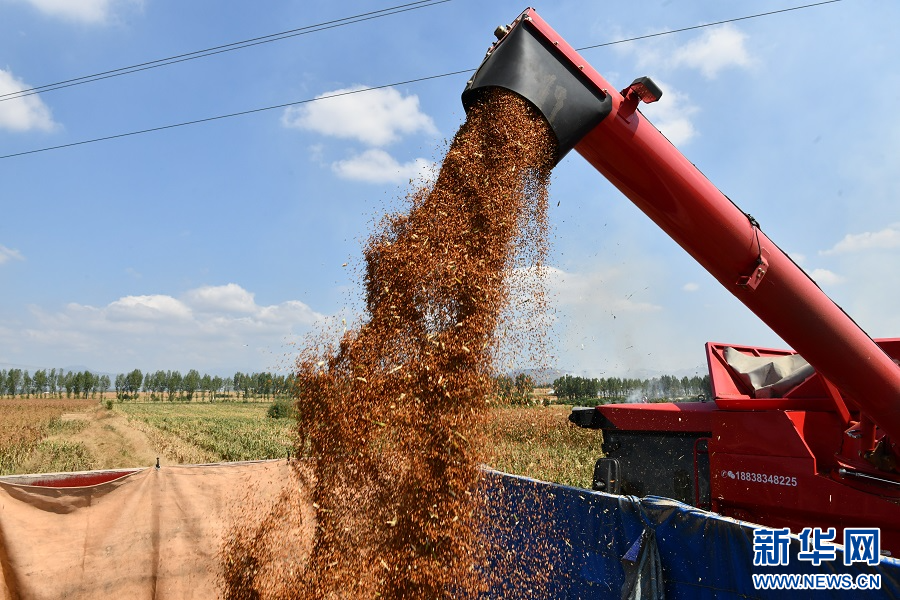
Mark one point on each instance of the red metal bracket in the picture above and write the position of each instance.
(629, 104)
(837, 400)
(752, 279)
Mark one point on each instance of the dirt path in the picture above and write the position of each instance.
(115, 442)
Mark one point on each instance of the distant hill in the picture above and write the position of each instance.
(6, 366)
(651, 374)
(541, 377)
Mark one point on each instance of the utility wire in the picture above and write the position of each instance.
(238, 114)
(652, 35)
(274, 37)
(386, 85)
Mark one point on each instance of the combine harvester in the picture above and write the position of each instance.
(802, 439)
(799, 447)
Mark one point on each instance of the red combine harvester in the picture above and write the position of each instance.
(798, 438)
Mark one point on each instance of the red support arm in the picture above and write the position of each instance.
(632, 154)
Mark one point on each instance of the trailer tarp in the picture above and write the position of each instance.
(609, 546)
(158, 533)
(153, 533)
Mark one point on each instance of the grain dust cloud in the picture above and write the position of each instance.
(391, 412)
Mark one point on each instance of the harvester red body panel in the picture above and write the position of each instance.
(819, 453)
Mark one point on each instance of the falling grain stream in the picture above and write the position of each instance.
(391, 413)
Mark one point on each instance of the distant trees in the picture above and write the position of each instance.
(205, 385)
(517, 392)
(128, 385)
(12, 381)
(616, 389)
(155, 384)
(43, 383)
(262, 385)
(174, 380)
(172, 386)
(158, 385)
(133, 382)
(190, 384)
(105, 384)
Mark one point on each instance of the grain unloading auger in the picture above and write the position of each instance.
(785, 441)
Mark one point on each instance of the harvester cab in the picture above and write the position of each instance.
(805, 437)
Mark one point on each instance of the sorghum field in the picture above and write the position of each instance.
(25, 423)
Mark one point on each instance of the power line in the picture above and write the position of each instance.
(274, 37)
(683, 29)
(386, 85)
(237, 114)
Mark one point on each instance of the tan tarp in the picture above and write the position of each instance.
(156, 533)
(769, 376)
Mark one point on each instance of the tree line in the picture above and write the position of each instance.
(52, 382)
(516, 392)
(158, 385)
(617, 389)
(174, 386)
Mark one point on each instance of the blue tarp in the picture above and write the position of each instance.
(584, 543)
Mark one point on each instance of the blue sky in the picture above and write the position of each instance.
(220, 245)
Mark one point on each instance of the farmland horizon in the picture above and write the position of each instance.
(538, 374)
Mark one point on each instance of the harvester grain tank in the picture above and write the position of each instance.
(797, 438)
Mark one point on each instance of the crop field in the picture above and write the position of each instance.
(226, 431)
(50, 435)
(540, 442)
(26, 422)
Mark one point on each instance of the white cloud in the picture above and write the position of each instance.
(672, 115)
(291, 311)
(712, 51)
(624, 319)
(374, 117)
(146, 308)
(886, 238)
(8, 254)
(226, 304)
(596, 289)
(209, 327)
(690, 287)
(85, 11)
(716, 49)
(230, 298)
(377, 166)
(826, 277)
(22, 113)
(607, 322)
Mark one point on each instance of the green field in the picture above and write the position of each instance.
(227, 431)
(533, 441)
